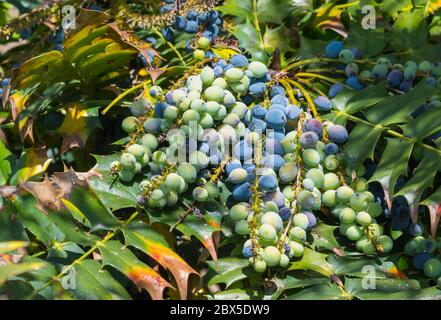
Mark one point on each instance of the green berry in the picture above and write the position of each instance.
(258, 69)
(137, 150)
(363, 218)
(200, 194)
(130, 124)
(187, 171)
(267, 232)
(354, 233)
(432, 268)
(128, 161)
(199, 54)
(297, 234)
(242, 228)
(126, 175)
(271, 255)
(347, 215)
(239, 212)
(301, 220)
(204, 43)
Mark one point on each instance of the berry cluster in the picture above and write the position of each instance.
(424, 253)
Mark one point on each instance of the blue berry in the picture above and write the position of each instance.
(274, 161)
(309, 139)
(335, 89)
(330, 148)
(354, 83)
(420, 259)
(213, 15)
(179, 23)
(292, 112)
(258, 111)
(333, 49)
(257, 89)
(167, 33)
(234, 164)
(192, 15)
(311, 218)
(268, 183)
(406, 85)
(394, 78)
(285, 213)
(280, 99)
(337, 133)
(166, 8)
(203, 18)
(275, 119)
(191, 27)
(274, 146)
(208, 34)
(242, 192)
(275, 90)
(242, 150)
(323, 103)
(214, 29)
(247, 252)
(314, 125)
(219, 22)
(257, 125)
(239, 60)
(151, 40)
(357, 53)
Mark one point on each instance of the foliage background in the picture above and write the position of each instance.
(58, 139)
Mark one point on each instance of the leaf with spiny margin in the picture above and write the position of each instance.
(77, 126)
(10, 269)
(323, 235)
(114, 254)
(91, 282)
(31, 163)
(420, 180)
(230, 270)
(424, 125)
(370, 41)
(140, 236)
(361, 144)
(191, 226)
(434, 204)
(35, 220)
(248, 37)
(236, 294)
(269, 11)
(409, 30)
(391, 289)
(114, 193)
(315, 261)
(396, 109)
(364, 99)
(294, 282)
(321, 292)
(238, 8)
(82, 199)
(393, 164)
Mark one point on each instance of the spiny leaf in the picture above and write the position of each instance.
(31, 163)
(230, 270)
(122, 259)
(77, 125)
(145, 239)
(315, 261)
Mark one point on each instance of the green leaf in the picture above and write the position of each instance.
(396, 109)
(315, 261)
(409, 30)
(370, 41)
(248, 37)
(361, 144)
(113, 193)
(91, 282)
(273, 11)
(230, 270)
(10, 270)
(393, 163)
(321, 292)
(362, 100)
(291, 282)
(238, 8)
(324, 238)
(236, 294)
